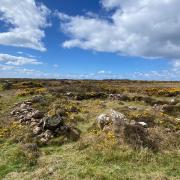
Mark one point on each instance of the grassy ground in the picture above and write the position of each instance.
(91, 157)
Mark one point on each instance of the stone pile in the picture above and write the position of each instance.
(44, 127)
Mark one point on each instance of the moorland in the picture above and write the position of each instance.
(89, 129)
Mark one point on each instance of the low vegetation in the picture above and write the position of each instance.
(67, 129)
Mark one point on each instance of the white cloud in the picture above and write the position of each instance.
(144, 28)
(26, 20)
(104, 72)
(8, 71)
(55, 65)
(176, 65)
(18, 60)
(6, 68)
(112, 3)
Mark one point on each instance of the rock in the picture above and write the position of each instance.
(37, 130)
(135, 134)
(28, 103)
(37, 114)
(43, 127)
(174, 101)
(13, 112)
(23, 106)
(132, 122)
(52, 122)
(118, 118)
(167, 129)
(132, 108)
(43, 140)
(119, 121)
(45, 136)
(143, 124)
(23, 110)
(69, 94)
(112, 117)
(103, 119)
(62, 130)
(48, 134)
(33, 124)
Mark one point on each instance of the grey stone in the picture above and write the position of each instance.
(52, 122)
(37, 114)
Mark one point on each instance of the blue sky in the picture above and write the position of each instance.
(96, 39)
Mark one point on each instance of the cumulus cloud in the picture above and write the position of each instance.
(143, 28)
(176, 65)
(26, 20)
(18, 60)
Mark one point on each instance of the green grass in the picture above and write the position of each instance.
(67, 162)
(12, 159)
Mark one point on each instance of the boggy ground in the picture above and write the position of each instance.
(93, 153)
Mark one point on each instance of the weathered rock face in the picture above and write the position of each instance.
(52, 122)
(43, 126)
(112, 117)
(103, 119)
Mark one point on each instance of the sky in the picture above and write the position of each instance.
(90, 39)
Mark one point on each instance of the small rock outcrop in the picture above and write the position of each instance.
(131, 132)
